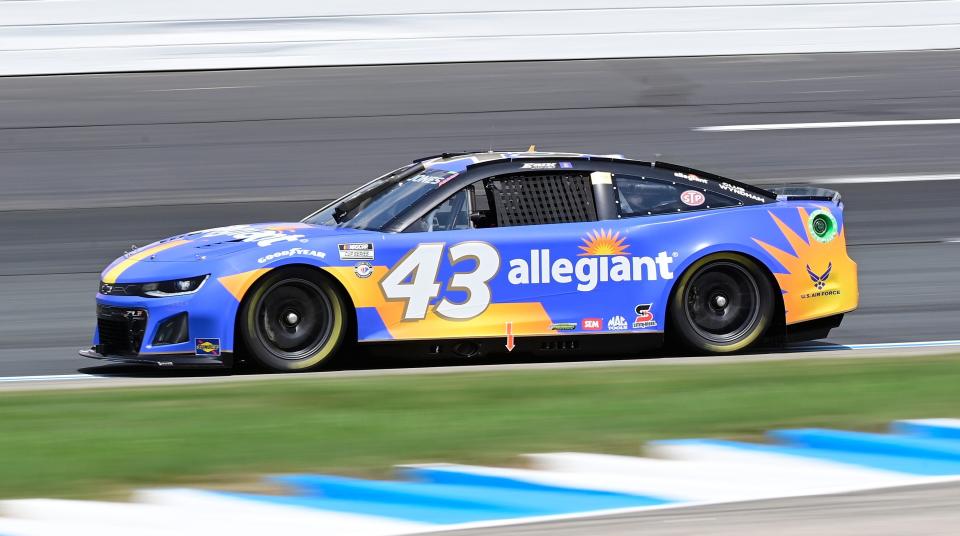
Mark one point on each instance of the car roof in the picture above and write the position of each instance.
(461, 161)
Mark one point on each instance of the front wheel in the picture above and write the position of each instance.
(293, 320)
(723, 303)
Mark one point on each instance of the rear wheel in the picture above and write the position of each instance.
(722, 304)
(293, 321)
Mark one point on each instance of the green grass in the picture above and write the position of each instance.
(90, 443)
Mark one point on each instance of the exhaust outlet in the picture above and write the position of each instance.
(467, 349)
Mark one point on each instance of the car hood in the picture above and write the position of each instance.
(222, 241)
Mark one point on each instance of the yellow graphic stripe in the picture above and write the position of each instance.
(122, 266)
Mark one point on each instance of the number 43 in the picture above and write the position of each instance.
(421, 266)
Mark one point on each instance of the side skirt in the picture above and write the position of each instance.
(550, 346)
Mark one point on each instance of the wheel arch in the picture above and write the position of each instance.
(776, 329)
(321, 274)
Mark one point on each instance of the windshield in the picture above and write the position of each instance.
(373, 206)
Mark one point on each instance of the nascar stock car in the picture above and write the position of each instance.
(471, 254)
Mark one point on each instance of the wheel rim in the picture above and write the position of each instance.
(294, 319)
(722, 302)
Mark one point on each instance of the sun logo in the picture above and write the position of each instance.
(834, 289)
(603, 242)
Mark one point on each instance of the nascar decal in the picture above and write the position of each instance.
(818, 274)
(362, 251)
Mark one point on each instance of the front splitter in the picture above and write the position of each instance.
(225, 360)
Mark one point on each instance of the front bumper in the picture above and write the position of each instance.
(225, 360)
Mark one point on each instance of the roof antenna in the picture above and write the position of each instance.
(532, 149)
(655, 158)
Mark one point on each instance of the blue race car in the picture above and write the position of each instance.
(472, 254)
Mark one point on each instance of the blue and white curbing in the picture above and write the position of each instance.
(431, 498)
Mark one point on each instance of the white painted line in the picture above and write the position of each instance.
(194, 88)
(50, 378)
(883, 179)
(832, 124)
(818, 78)
(879, 346)
(876, 346)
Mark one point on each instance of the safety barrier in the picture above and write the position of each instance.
(51, 36)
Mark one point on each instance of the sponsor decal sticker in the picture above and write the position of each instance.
(566, 165)
(591, 324)
(539, 165)
(823, 225)
(356, 251)
(644, 318)
(292, 252)
(209, 347)
(425, 179)
(604, 257)
(563, 326)
(691, 177)
(363, 269)
(692, 198)
(249, 233)
(820, 281)
(617, 323)
(742, 192)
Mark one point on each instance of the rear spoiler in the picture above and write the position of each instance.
(806, 193)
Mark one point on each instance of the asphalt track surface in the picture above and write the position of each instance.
(90, 164)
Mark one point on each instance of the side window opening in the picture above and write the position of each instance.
(644, 196)
(469, 208)
(542, 198)
(513, 200)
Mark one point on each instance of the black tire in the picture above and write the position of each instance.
(723, 303)
(293, 320)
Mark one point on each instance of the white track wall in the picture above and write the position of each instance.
(67, 36)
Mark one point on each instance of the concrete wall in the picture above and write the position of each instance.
(62, 36)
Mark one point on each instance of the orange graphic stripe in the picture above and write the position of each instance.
(238, 284)
(526, 318)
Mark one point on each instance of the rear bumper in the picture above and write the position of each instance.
(225, 360)
(813, 329)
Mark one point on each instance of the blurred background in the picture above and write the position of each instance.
(125, 122)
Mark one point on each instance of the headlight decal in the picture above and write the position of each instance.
(161, 289)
